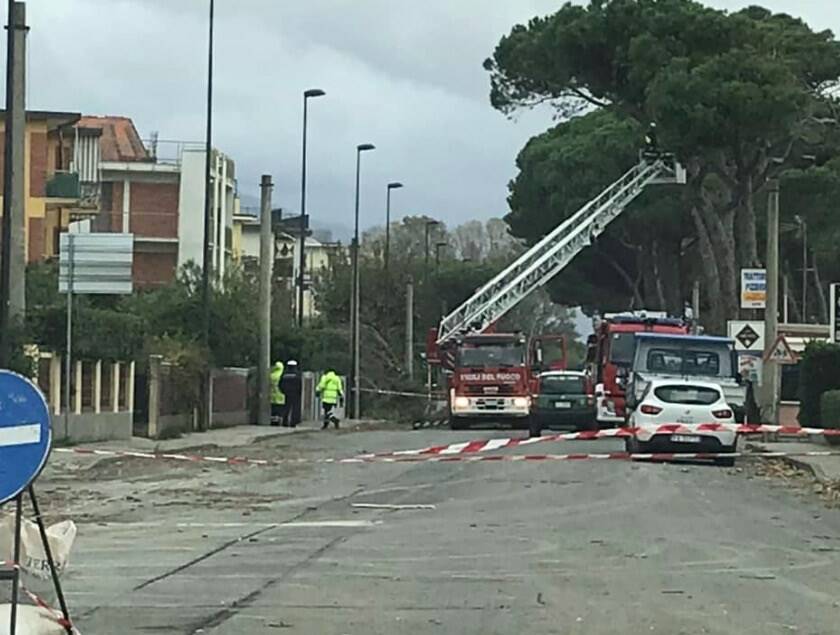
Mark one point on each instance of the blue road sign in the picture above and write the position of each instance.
(25, 433)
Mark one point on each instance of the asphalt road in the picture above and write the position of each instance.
(509, 547)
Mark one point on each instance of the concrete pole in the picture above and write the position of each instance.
(695, 301)
(409, 329)
(17, 282)
(770, 371)
(357, 401)
(266, 262)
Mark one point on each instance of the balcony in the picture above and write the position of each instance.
(64, 185)
(68, 189)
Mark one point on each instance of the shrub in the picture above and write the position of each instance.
(830, 407)
(819, 372)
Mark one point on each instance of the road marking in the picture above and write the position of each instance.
(238, 525)
(20, 435)
(388, 506)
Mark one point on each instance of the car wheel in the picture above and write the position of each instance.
(458, 423)
(534, 429)
(727, 461)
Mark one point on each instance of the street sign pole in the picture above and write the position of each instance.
(69, 349)
(834, 334)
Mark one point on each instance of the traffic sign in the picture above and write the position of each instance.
(748, 334)
(753, 288)
(781, 353)
(25, 433)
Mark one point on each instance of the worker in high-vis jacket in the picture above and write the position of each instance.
(331, 391)
(278, 398)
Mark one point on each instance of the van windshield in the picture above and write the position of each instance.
(622, 346)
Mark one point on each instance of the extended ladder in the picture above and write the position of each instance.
(556, 250)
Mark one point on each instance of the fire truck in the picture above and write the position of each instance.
(609, 357)
(491, 375)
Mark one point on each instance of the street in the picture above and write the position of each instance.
(500, 547)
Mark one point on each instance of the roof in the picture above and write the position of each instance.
(120, 140)
(563, 373)
(694, 339)
(54, 118)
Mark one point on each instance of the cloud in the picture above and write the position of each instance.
(403, 75)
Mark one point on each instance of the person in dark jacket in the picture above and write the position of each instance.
(291, 385)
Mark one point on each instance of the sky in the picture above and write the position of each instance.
(404, 75)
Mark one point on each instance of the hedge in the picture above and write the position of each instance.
(830, 407)
(819, 372)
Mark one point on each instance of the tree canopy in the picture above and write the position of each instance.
(739, 97)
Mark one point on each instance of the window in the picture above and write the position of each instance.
(622, 346)
(562, 385)
(489, 355)
(689, 395)
(683, 362)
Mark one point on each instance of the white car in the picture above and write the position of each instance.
(685, 403)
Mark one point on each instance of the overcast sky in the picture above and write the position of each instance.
(404, 75)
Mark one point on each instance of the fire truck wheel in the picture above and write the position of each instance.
(534, 430)
(458, 423)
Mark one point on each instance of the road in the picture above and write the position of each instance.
(510, 547)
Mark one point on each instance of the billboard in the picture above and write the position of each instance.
(753, 288)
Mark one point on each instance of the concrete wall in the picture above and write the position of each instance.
(89, 427)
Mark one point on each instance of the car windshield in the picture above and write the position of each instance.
(562, 385)
(694, 395)
(622, 346)
(492, 355)
(676, 361)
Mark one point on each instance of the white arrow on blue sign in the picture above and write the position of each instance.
(25, 434)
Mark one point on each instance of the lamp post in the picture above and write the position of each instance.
(307, 95)
(354, 379)
(438, 247)
(429, 225)
(391, 186)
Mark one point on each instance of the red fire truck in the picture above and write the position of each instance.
(610, 352)
(490, 377)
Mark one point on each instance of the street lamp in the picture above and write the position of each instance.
(307, 95)
(429, 225)
(438, 247)
(391, 186)
(364, 147)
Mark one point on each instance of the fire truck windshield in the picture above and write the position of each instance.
(622, 347)
(492, 355)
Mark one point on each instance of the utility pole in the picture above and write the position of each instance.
(695, 302)
(266, 267)
(770, 370)
(12, 241)
(409, 329)
(204, 420)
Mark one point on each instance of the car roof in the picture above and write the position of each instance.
(688, 339)
(685, 381)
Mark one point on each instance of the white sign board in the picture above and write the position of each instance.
(750, 366)
(748, 334)
(753, 288)
(100, 263)
(834, 333)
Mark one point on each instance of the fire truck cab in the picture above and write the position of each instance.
(610, 352)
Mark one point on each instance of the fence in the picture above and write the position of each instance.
(101, 398)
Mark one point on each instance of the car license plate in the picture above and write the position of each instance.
(563, 405)
(685, 438)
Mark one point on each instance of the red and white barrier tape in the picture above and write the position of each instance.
(402, 393)
(412, 456)
(40, 602)
(489, 445)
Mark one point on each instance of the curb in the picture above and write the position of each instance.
(814, 470)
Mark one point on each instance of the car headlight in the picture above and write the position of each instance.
(462, 402)
(521, 402)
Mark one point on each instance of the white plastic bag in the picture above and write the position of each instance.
(33, 559)
(31, 620)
